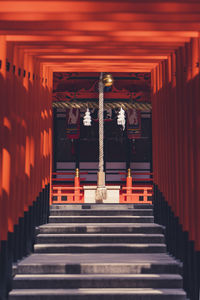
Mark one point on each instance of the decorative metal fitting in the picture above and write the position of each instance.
(77, 172)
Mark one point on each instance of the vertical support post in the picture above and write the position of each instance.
(129, 182)
(77, 185)
(128, 153)
(77, 150)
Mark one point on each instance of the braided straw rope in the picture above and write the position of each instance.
(126, 105)
(101, 127)
(101, 193)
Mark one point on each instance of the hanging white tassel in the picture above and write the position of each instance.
(121, 118)
(87, 118)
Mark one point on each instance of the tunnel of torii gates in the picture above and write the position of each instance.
(38, 38)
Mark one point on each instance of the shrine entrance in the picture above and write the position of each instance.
(127, 150)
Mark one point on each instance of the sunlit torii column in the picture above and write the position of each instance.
(104, 80)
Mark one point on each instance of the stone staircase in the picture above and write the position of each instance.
(99, 251)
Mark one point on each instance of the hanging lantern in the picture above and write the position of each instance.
(121, 118)
(108, 79)
(87, 118)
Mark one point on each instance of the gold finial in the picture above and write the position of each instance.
(129, 172)
(108, 79)
(77, 172)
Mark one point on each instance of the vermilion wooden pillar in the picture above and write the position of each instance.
(4, 155)
(183, 137)
(197, 157)
(165, 144)
(193, 117)
(158, 156)
(180, 201)
(174, 173)
(187, 123)
(176, 158)
(26, 122)
(168, 125)
(154, 122)
(10, 136)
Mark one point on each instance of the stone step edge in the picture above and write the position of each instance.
(101, 217)
(90, 291)
(103, 210)
(153, 225)
(66, 268)
(98, 276)
(103, 244)
(85, 205)
(101, 234)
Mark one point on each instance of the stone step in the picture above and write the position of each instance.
(117, 263)
(147, 228)
(97, 212)
(58, 281)
(99, 252)
(101, 219)
(98, 294)
(95, 206)
(99, 238)
(108, 268)
(100, 248)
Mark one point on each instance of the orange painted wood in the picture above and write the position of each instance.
(4, 154)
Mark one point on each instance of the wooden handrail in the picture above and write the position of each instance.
(136, 173)
(68, 173)
(66, 179)
(137, 188)
(67, 188)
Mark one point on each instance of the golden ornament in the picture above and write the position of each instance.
(129, 173)
(77, 172)
(108, 79)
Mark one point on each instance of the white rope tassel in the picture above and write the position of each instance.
(101, 189)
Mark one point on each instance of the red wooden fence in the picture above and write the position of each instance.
(68, 193)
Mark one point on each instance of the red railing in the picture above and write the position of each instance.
(64, 193)
(137, 193)
(136, 174)
(131, 193)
